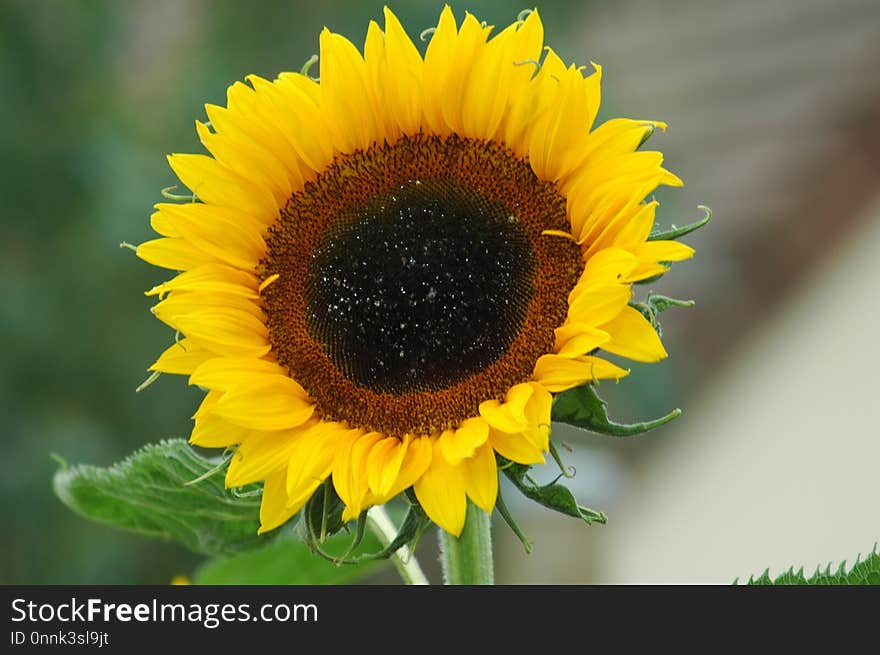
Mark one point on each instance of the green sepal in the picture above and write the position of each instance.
(553, 496)
(565, 471)
(170, 492)
(501, 506)
(321, 517)
(654, 278)
(655, 304)
(865, 572)
(678, 232)
(649, 132)
(359, 533)
(582, 408)
(414, 525)
(661, 303)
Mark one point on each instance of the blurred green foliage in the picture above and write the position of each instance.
(93, 95)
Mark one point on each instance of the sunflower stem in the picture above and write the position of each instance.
(403, 559)
(467, 560)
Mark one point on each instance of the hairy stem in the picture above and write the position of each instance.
(467, 560)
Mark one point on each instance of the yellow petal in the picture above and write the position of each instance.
(555, 143)
(164, 224)
(224, 373)
(340, 468)
(583, 108)
(225, 331)
(217, 185)
(176, 254)
(382, 455)
(618, 136)
(515, 447)
(510, 415)
(558, 373)
(274, 510)
(441, 493)
(298, 118)
(628, 229)
(600, 191)
(484, 95)
(470, 42)
(260, 455)
(594, 173)
(380, 81)
(607, 265)
(595, 304)
(295, 503)
(404, 76)
(538, 411)
(209, 402)
(252, 128)
(223, 323)
(346, 98)
(311, 459)
(184, 303)
(632, 336)
(226, 234)
(516, 70)
(437, 67)
(278, 403)
(663, 251)
(481, 477)
(463, 441)
(646, 270)
(211, 278)
(573, 339)
(242, 156)
(417, 460)
(592, 208)
(182, 358)
(384, 462)
(350, 472)
(211, 431)
(253, 112)
(528, 112)
(528, 445)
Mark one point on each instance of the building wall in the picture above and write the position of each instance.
(776, 463)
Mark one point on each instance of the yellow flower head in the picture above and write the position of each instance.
(389, 272)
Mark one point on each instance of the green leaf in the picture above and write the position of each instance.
(678, 232)
(553, 496)
(152, 493)
(287, 561)
(582, 407)
(866, 572)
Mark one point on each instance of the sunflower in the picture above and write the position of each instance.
(389, 271)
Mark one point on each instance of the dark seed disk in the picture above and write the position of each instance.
(420, 288)
(415, 282)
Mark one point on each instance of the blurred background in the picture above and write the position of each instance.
(773, 110)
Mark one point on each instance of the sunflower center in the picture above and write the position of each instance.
(415, 281)
(420, 288)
